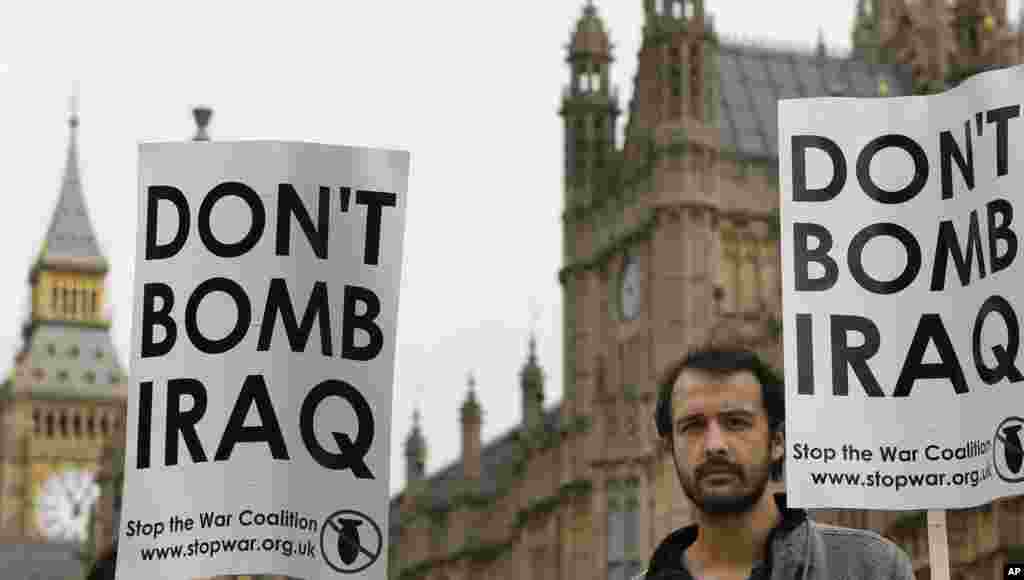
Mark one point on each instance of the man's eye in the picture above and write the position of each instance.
(737, 423)
(689, 427)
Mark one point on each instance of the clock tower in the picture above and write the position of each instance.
(64, 400)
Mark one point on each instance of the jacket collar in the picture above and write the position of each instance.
(668, 555)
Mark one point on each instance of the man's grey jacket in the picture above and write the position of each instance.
(801, 549)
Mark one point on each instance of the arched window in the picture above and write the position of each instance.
(49, 423)
(90, 425)
(63, 423)
(104, 425)
(36, 421)
(76, 424)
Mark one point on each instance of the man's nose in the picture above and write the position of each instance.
(714, 441)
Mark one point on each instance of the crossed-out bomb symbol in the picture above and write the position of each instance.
(349, 544)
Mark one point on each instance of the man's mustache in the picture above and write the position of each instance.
(718, 467)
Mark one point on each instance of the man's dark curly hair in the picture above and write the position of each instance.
(725, 360)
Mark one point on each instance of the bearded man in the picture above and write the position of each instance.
(721, 412)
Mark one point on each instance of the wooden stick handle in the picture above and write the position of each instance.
(938, 545)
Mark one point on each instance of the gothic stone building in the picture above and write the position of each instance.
(666, 237)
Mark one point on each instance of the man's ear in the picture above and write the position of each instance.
(778, 444)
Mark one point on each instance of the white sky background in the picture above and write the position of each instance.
(472, 89)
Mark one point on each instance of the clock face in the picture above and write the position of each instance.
(629, 294)
(64, 503)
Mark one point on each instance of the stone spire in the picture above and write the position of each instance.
(531, 380)
(70, 240)
(471, 407)
(471, 417)
(415, 452)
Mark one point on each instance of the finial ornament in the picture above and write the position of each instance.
(73, 106)
(201, 115)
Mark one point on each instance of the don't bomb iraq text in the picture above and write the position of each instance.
(969, 251)
(360, 306)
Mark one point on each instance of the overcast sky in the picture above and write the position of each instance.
(471, 89)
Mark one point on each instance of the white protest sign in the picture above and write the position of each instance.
(263, 346)
(902, 288)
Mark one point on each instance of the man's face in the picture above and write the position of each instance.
(721, 442)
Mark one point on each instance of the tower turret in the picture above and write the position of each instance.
(471, 418)
(531, 380)
(679, 42)
(415, 452)
(589, 109)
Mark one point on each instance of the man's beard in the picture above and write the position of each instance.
(726, 503)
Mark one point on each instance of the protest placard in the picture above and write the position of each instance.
(263, 344)
(901, 297)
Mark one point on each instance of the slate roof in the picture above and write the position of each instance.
(754, 78)
(42, 561)
(493, 455)
(71, 236)
(73, 362)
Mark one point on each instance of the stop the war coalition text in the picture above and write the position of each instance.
(892, 453)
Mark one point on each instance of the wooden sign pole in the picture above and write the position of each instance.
(938, 545)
